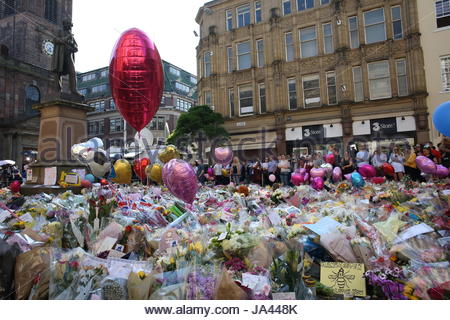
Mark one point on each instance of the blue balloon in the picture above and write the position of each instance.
(89, 177)
(441, 118)
(358, 180)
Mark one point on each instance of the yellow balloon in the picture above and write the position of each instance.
(225, 172)
(169, 153)
(123, 172)
(154, 172)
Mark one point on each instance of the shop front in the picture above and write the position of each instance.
(308, 139)
(384, 133)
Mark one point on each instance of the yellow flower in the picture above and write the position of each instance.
(141, 275)
(172, 260)
(198, 247)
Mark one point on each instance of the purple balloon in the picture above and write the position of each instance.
(306, 176)
(367, 171)
(297, 179)
(181, 180)
(426, 165)
(441, 171)
(317, 183)
(317, 172)
(348, 177)
(301, 171)
(337, 174)
(223, 155)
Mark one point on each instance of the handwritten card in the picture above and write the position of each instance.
(29, 174)
(344, 278)
(50, 176)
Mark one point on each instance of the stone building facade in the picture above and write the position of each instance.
(27, 30)
(294, 76)
(434, 22)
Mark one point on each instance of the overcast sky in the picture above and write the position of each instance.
(169, 23)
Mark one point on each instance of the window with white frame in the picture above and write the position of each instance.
(358, 86)
(304, 4)
(244, 56)
(99, 88)
(231, 101)
(354, 32)
(397, 27)
(116, 125)
(331, 88)
(327, 38)
(289, 41)
(98, 105)
(112, 104)
(245, 100)
(402, 79)
(161, 123)
(287, 7)
(443, 13)
(243, 16)
(229, 20)
(311, 91)
(260, 53)
(375, 27)
(445, 73)
(229, 59)
(174, 71)
(96, 127)
(182, 87)
(379, 80)
(193, 80)
(207, 64)
(262, 98)
(292, 93)
(308, 42)
(104, 74)
(88, 77)
(258, 12)
(208, 98)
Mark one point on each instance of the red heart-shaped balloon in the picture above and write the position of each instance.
(139, 166)
(136, 78)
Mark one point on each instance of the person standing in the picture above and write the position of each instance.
(378, 159)
(257, 173)
(284, 170)
(396, 160)
(201, 171)
(444, 148)
(347, 163)
(362, 157)
(218, 173)
(411, 165)
(235, 171)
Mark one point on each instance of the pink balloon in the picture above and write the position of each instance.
(301, 171)
(297, 179)
(367, 171)
(426, 165)
(272, 178)
(318, 183)
(210, 172)
(317, 172)
(223, 155)
(181, 180)
(330, 158)
(337, 174)
(348, 177)
(441, 171)
(328, 168)
(307, 177)
(136, 78)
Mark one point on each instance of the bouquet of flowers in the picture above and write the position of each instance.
(388, 281)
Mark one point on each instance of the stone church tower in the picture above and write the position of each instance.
(27, 32)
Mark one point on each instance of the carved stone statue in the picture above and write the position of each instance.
(64, 58)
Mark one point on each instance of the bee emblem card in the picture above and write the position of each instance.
(344, 278)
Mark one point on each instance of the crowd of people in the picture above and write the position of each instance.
(274, 169)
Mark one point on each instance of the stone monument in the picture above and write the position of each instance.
(63, 124)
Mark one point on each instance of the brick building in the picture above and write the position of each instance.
(313, 72)
(27, 30)
(180, 93)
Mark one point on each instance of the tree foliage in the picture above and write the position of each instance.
(198, 119)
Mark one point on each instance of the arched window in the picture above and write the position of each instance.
(51, 11)
(33, 96)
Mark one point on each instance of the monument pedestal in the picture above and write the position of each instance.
(63, 124)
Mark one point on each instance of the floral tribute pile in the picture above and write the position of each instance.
(140, 242)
